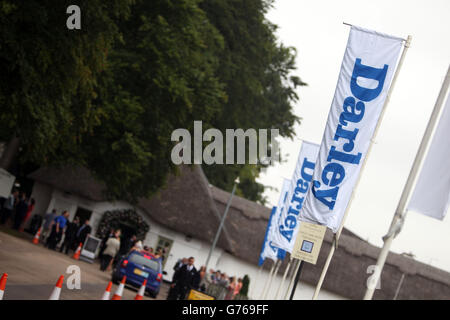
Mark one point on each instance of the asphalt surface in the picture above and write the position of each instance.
(33, 271)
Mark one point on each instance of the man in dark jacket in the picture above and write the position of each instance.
(70, 233)
(83, 232)
(126, 244)
(179, 264)
(186, 278)
(21, 211)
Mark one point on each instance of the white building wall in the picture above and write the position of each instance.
(181, 247)
(42, 194)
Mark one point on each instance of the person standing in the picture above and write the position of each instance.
(179, 264)
(111, 250)
(238, 288)
(176, 268)
(83, 232)
(205, 279)
(28, 214)
(186, 278)
(216, 277)
(47, 225)
(127, 244)
(57, 230)
(21, 211)
(230, 289)
(103, 244)
(70, 233)
(8, 206)
(223, 282)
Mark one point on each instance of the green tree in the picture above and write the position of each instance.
(49, 74)
(257, 72)
(161, 77)
(108, 96)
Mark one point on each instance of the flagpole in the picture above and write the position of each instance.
(400, 212)
(265, 284)
(399, 287)
(325, 267)
(294, 273)
(277, 266)
(222, 222)
(334, 245)
(282, 280)
(297, 277)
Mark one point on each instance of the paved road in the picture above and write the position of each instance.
(33, 271)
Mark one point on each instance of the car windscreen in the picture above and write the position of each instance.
(138, 259)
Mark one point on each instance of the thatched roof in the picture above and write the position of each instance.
(190, 205)
(347, 274)
(186, 205)
(75, 180)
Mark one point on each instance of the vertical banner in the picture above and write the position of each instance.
(367, 69)
(269, 250)
(431, 195)
(288, 224)
(265, 250)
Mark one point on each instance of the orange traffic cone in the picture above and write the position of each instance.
(119, 291)
(141, 291)
(57, 290)
(107, 291)
(3, 285)
(36, 236)
(76, 255)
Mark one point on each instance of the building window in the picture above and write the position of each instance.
(164, 245)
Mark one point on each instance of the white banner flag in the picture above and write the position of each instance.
(367, 69)
(266, 251)
(288, 224)
(269, 250)
(431, 195)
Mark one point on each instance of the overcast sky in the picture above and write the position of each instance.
(316, 30)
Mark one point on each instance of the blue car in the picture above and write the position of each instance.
(137, 267)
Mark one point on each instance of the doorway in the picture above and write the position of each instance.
(127, 231)
(83, 215)
(164, 244)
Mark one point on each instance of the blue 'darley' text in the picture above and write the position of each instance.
(353, 112)
(290, 222)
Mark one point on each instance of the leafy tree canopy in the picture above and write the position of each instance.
(256, 71)
(108, 96)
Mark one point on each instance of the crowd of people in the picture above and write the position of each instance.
(60, 233)
(55, 226)
(17, 208)
(57, 230)
(187, 277)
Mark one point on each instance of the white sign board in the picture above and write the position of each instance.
(90, 247)
(308, 242)
(6, 183)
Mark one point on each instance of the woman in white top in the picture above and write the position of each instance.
(112, 247)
